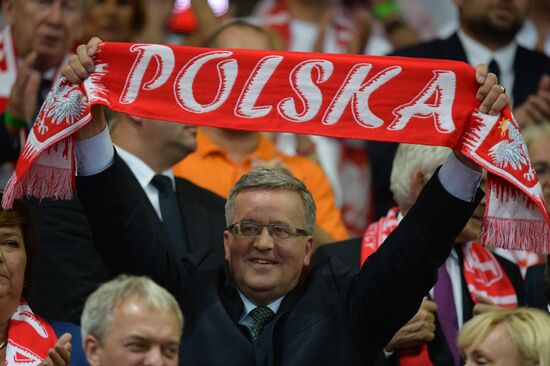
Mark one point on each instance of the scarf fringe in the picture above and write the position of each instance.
(515, 234)
(39, 181)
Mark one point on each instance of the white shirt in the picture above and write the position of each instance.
(97, 153)
(144, 174)
(477, 53)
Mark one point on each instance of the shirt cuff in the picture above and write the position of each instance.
(458, 179)
(95, 154)
(387, 354)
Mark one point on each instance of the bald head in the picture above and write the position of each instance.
(242, 35)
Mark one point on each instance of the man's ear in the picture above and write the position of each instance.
(92, 349)
(226, 244)
(309, 250)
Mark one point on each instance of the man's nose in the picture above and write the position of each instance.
(264, 241)
(154, 357)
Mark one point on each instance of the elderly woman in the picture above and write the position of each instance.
(515, 337)
(22, 333)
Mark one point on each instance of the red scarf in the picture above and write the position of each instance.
(8, 66)
(482, 271)
(29, 338)
(365, 97)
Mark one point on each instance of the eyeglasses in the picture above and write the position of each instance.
(251, 229)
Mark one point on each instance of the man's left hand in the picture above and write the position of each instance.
(490, 93)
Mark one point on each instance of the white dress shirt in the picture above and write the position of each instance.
(144, 174)
(477, 53)
(97, 153)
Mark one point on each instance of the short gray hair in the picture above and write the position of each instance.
(266, 179)
(98, 310)
(408, 160)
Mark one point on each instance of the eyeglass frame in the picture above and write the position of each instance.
(297, 231)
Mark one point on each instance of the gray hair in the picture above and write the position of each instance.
(98, 310)
(408, 160)
(272, 179)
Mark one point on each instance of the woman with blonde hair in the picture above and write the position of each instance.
(515, 337)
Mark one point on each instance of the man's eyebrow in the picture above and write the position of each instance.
(137, 337)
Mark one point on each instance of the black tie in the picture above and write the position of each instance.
(493, 67)
(170, 211)
(261, 315)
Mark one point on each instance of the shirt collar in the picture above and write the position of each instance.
(477, 53)
(143, 173)
(249, 306)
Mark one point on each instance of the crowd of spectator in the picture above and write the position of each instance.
(161, 257)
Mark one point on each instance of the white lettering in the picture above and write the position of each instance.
(183, 86)
(354, 90)
(164, 58)
(254, 85)
(306, 89)
(442, 88)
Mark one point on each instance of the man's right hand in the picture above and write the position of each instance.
(82, 64)
(79, 67)
(419, 330)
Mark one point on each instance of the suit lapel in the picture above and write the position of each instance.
(195, 218)
(151, 213)
(454, 49)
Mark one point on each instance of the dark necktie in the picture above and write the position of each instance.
(493, 67)
(261, 315)
(446, 311)
(171, 216)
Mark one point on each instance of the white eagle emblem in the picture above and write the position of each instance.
(512, 151)
(66, 103)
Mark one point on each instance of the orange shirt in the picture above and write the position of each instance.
(210, 167)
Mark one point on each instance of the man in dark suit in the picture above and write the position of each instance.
(486, 35)
(251, 309)
(537, 287)
(68, 268)
(413, 166)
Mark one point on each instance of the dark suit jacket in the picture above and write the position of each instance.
(68, 268)
(349, 252)
(336, 317)
(529, 66)
(534, 288)
(9, 149)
